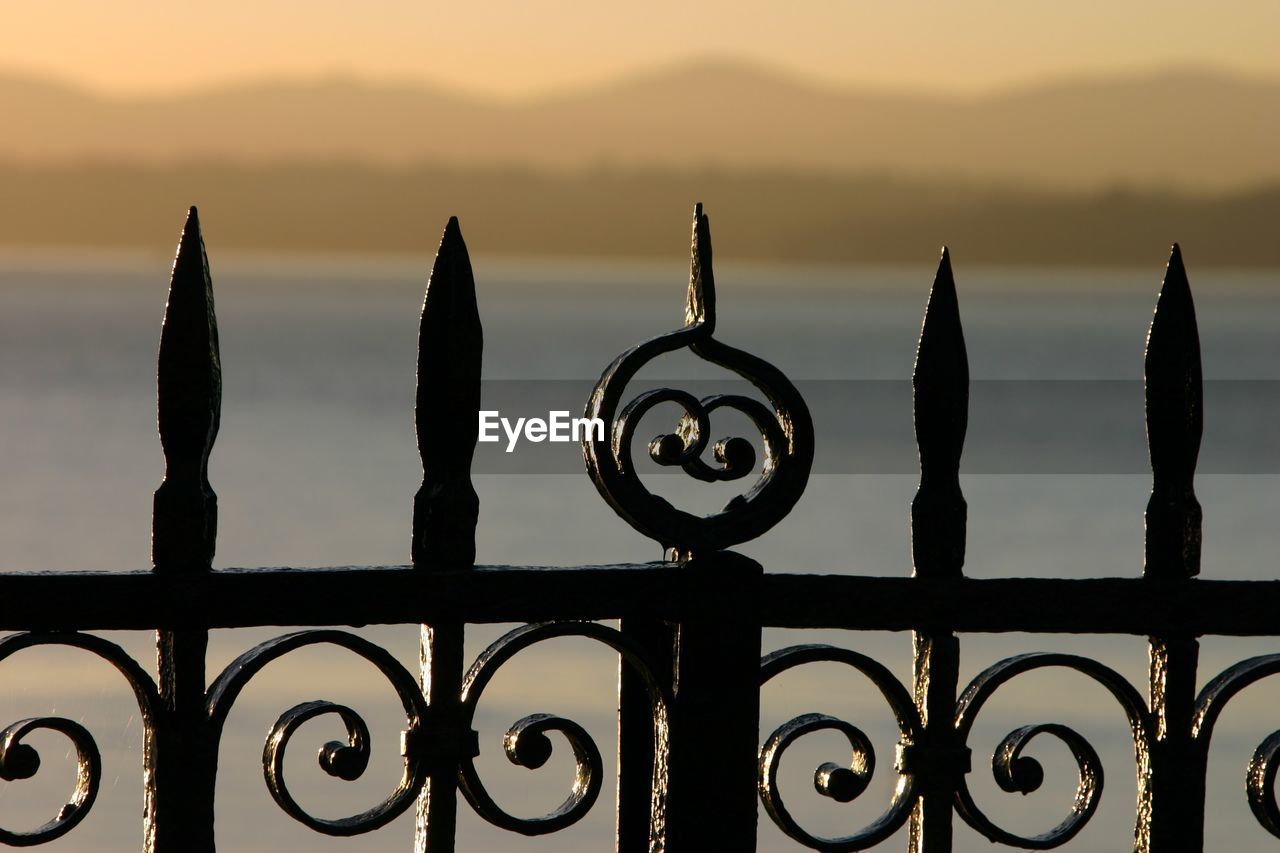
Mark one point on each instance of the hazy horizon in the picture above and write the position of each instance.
(1176, 129)
(833, 133)
(625, 214)
(942, 90)
(1082, 171)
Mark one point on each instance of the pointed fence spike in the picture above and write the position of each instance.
(1174, 411)
(450, 344)
(700, 305)
(940, 383)
(189, 396)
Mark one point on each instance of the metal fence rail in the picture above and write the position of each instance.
(689, 640)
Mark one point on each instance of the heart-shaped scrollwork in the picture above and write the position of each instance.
(786, 432)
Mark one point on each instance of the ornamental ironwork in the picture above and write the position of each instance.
(689, 637)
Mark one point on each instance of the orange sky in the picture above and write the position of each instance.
(516, 47)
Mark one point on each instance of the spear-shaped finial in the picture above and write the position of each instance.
(450, 343)
(941, 385)
(1175, 406)
(700, 305)
(189, 393)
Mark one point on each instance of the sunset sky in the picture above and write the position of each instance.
(516, 47)
(832, 107)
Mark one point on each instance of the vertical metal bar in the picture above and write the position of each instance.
(1172, 776)
(636, 799)
(445, 508)
(938, 516)
(181, 759)
(442, 665)
(635, 732)
(711, 801)
(715, 730)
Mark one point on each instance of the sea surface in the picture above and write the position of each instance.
(315, 465)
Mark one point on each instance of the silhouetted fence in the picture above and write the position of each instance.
(691, 764)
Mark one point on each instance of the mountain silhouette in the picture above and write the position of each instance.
(1186, 129)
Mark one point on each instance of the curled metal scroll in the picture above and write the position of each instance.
(527, 745)
(1260, 784)
(343, 760)
(1015, 772)
(1260, 778)
(785, 426)
(840, 783)
(19, 760)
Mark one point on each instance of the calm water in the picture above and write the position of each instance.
(315, 465)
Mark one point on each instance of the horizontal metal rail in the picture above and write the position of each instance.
(389, 595)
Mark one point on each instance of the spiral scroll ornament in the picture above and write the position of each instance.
(19, 760)
(1264, 766)
(1260, 784)
(837, 781)
(1018, 773)
(345, 759)
(526, 743)
(785, 427)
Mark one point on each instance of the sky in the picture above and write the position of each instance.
(517, 48)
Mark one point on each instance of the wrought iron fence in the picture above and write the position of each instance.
(691, 763)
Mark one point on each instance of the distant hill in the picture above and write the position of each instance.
(1190, 129)
(757, 215)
